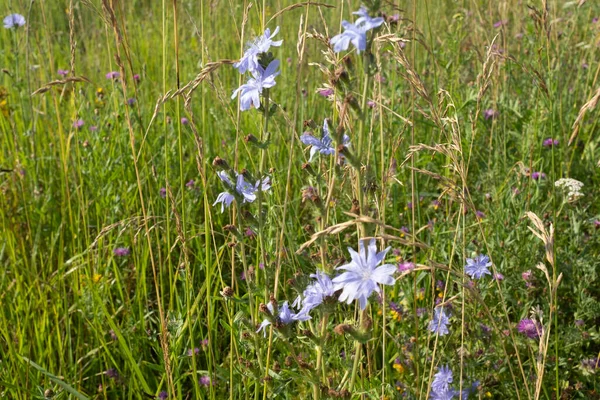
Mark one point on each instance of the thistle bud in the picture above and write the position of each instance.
(227, 292)
(218, 162)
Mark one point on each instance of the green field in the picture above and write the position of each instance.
(441, 129)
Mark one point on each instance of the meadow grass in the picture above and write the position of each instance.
(121, 280)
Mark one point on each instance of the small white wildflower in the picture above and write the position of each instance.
(571, 186)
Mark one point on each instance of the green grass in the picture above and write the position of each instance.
(71, 309)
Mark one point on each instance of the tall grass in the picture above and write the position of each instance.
(447, 112)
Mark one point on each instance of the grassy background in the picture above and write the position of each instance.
(72, 310)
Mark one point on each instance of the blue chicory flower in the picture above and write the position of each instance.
(365, 21)
(442, 379)
(249, 61)
(439, 323)
(244, 189)
(352, 34)
(250, 91)
(356, 33)
(478, 266)
(316, 292)
(362, 276)
(14, 21)
(323, 145)
(286, 316)
(445, 394)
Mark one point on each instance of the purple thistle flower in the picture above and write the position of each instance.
(113, 75)
(121, 251)
(590, 364)
(530, 328)
(204, 380)
(396, 307)
(394, 18)
(325, 92)
(112, 373)
(485, 329)
(163, 395)
(362, 276)
(93, 128)
(250, 91)
(323, 145)
(184, 121)
(478, 266)
(490, 113)
(538, 175)
(14, 21)
(479, 214)
(136, 77)
(190, 183)
(594, 20)
(405, 266)
(579, 323)
(131, 101)
(78, 124)
(371, 104)
(62, 72)
(194, 351)
(439, 323)
(500, 23)
(249, 61)
(550, 142)
(498, 276)
(527, 275)
(163, 192)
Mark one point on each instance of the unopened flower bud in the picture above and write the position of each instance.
(227, 292)
(218, 162)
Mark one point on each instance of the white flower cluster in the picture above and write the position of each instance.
(571, 186)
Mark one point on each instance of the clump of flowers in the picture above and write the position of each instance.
(571, 186)
(260, 63)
